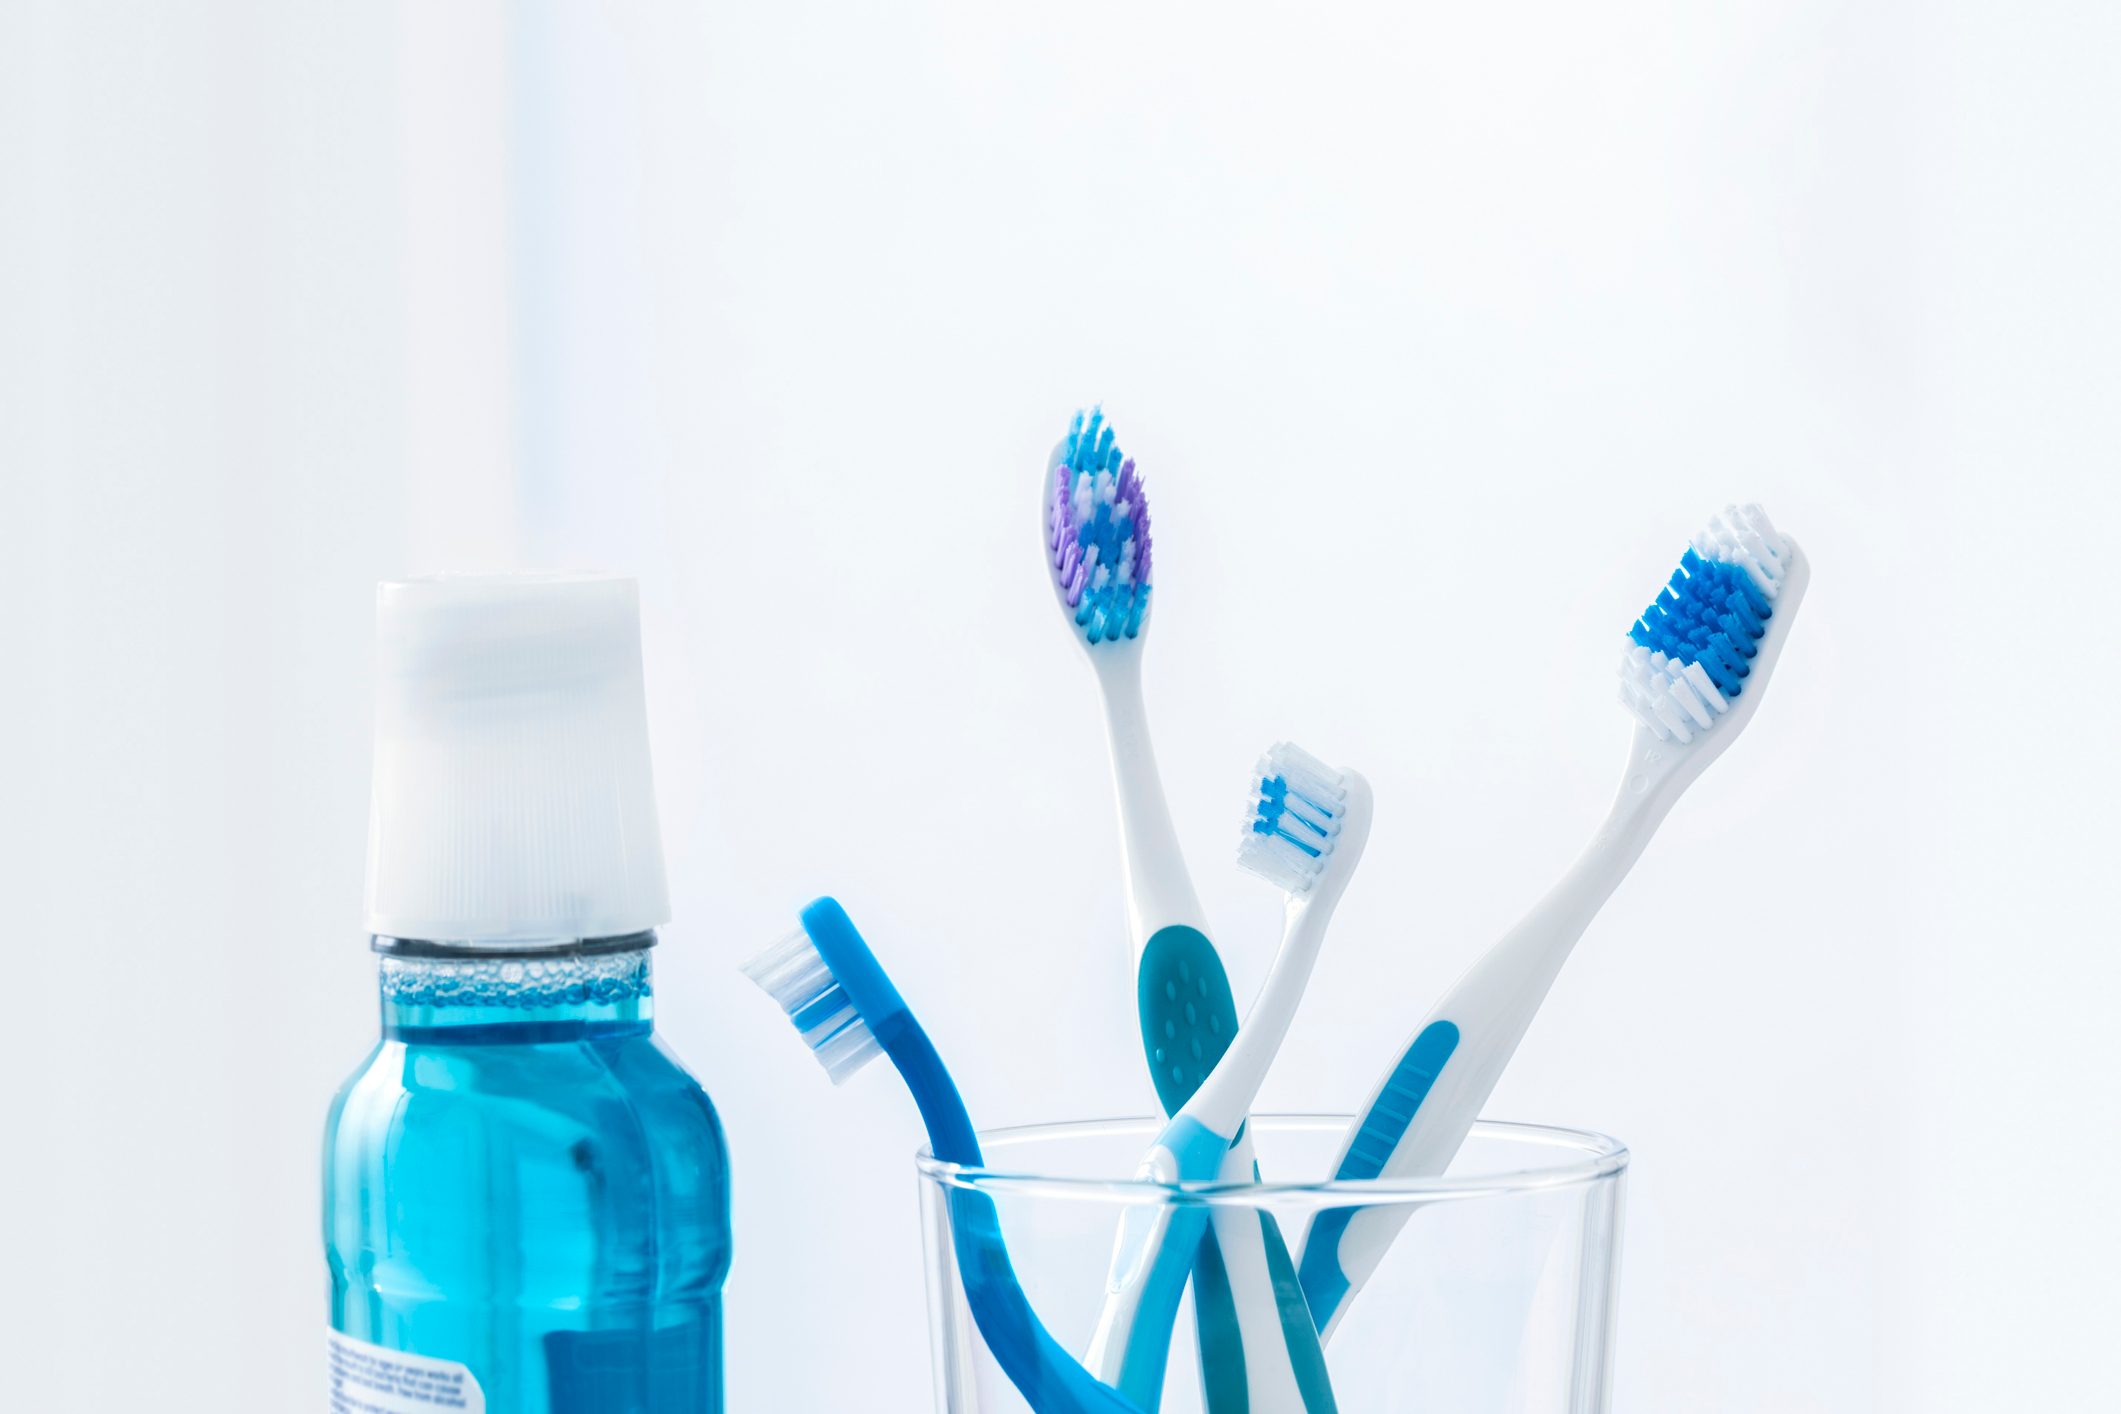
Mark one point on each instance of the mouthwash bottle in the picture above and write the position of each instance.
(526, 1197)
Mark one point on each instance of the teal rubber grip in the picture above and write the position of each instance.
(1188, 1017)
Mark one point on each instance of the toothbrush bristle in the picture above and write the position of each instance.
(1690, 652)
(1292, 818)
(796, 977)
(1097, 532)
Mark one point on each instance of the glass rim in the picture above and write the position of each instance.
(1588, 1157)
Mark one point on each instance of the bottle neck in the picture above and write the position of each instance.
(442, 994)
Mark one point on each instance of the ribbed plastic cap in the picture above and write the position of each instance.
(513, 800)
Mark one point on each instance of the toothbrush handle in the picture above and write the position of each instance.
(1248, 1321)
(1153, 868)
(1331, 1267)
(1426, 1101)
(1259, 1350)
(1150, 1262)
(1051, 1380)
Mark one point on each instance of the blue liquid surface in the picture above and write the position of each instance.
(522, 1179)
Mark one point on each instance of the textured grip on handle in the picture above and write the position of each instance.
(1381, 1128)
(1188, 1017)
(1397, 1101)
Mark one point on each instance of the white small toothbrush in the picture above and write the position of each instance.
(1693, 673)
(1304, 832)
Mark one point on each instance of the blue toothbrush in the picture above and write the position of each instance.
(835, 991)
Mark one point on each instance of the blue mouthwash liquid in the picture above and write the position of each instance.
(526, 1198)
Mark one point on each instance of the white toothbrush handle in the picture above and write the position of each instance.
(1427, 1101)
(1153, 869)
(1225, 1097)
(1424, 1105)
(1283, 1364)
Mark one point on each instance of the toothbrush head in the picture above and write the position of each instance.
(1707, 642)
(831, 986)
(1097, 533)
(792, 973)
(1294, 818)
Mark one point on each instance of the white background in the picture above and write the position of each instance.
(1435, 330)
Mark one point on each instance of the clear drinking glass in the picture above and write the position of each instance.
(1496, 1298)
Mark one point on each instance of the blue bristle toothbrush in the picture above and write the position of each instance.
(835, 991)
(1304, 830)
(1693, 672)
(1098, 547)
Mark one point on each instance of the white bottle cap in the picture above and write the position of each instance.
(513, 801)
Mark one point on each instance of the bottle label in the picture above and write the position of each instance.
(367, 1379)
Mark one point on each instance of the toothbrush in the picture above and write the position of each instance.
(1098, 547)
(835, 991)
(1304, 831)
(1693, 672)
